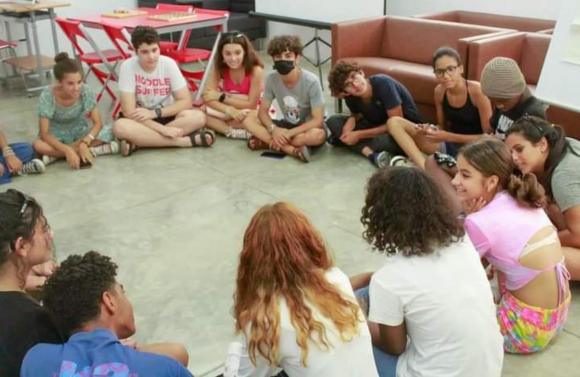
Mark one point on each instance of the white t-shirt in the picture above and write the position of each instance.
(447, 305)
(151, 89)
(345, 359)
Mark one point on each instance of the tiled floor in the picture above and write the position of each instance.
(174, 220)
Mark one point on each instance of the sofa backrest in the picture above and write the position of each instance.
(534, 53)
(506, 22)
(414, 40)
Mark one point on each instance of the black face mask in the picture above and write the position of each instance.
(284, 67)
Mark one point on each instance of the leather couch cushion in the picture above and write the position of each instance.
(534, 53)
(415, 40)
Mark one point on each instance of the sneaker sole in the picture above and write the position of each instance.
(383, 160)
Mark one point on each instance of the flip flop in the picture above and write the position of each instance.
(202, 140)
(127, 148)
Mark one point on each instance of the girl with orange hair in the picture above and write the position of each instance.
(293, 308)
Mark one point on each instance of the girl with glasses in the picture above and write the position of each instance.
(233, 91)
(463, 113)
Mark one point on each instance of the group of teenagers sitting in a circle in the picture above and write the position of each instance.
(473, 207)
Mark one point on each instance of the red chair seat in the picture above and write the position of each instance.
(93, 58)
(6, 44)
(189, 55)
(166, 46)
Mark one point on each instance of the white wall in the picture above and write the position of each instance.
(524, 8)
(78, 7)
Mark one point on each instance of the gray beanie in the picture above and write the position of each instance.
(502, 78)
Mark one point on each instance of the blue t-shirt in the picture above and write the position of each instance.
(388, 93)
(97, 353)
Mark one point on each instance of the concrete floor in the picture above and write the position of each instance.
(173, 220)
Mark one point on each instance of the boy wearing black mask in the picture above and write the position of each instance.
(300, 98)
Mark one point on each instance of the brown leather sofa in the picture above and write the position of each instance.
(529, 50)
(402, 47)
(495, 20)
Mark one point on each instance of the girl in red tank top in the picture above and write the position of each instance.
(235, 85)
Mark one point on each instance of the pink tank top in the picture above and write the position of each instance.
(228, 86)
(501, 230)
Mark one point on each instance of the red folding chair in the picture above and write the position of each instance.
(110, 58)
(121, 40)
(169, 48)
(166, 46)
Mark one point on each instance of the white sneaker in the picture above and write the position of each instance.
(401, 161)
(382, 160)
(239, 133)
(47, 160)
(104, 149)
(35, 166)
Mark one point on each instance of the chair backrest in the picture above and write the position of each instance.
(175, 7)
(72, 30)
(120, 39)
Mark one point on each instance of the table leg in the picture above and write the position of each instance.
(318, 63)
(9, 37)
(27, 38)
(37, 51)
(52, 16)
(214, 51)
(205, 76)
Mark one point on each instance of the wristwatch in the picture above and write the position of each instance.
(158, 112)
(222, 97)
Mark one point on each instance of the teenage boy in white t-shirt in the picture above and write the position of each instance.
(155, 101)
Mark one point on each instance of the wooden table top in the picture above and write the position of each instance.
(23, 8)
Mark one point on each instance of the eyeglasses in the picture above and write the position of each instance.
(27, 201)
(232, 35)
(449, 70)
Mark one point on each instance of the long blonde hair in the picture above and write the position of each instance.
(283, 256)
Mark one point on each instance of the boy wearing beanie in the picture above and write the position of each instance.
(504, 84)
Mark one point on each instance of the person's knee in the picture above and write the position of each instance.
(179, 353)
(335, 124)
(121, 128)
(317, 136)
(394, 123)
(197, 116)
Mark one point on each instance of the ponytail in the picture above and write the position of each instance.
(527, 191)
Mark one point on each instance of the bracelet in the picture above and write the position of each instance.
(91, 137)
(7, 152)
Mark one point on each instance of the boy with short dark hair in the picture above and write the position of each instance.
(300, 99)
(90, 306)
(155, 100)
(371, 101)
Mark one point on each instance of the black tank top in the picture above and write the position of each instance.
(463, 120)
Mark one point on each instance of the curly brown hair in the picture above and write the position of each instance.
(282, 43)
(339, 74)
(406, 212)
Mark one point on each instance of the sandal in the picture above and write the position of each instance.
(302, 153)
(256, 144)
(202, 138)
(127, 148)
